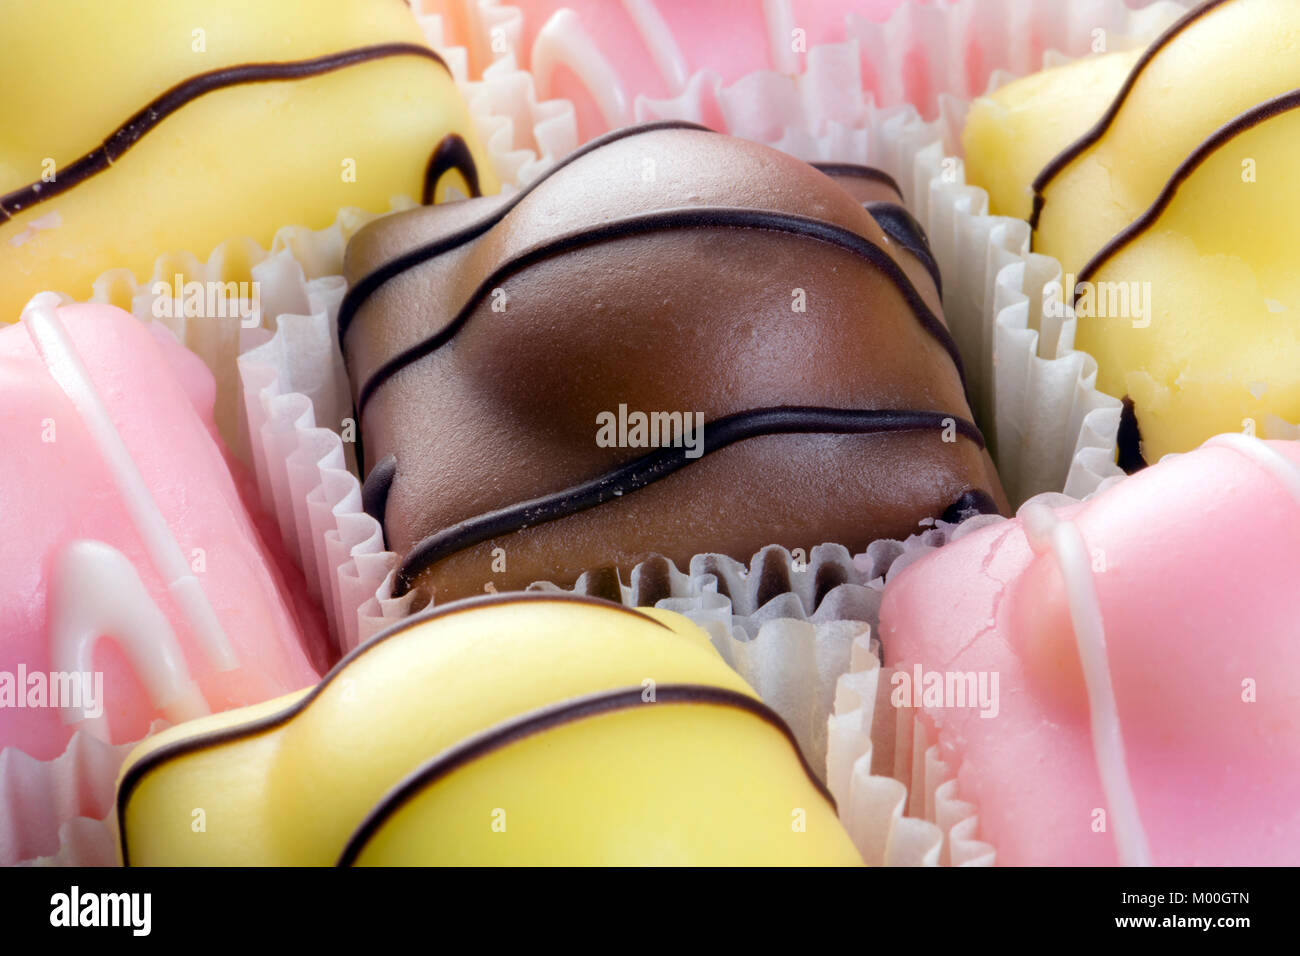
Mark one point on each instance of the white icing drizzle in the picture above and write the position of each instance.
(564, 42)
(96, 592)
(780, 29)
(40, 317)
(660, 42)
(1270, 459)
(1047, 532)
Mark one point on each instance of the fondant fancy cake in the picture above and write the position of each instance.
(660, 270)
(1161, 180)
(1149, 672)
(137, 585)
(195, 124)
(433, 749)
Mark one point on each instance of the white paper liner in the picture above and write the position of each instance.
(895, 796)
(61, 810)
(523, 136)
(83, 842)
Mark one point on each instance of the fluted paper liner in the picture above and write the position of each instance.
(61, 811)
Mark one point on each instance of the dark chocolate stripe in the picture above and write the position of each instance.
(704, 217)
(452, 154)
(135, 128)
(188, 745)
(1247, 121)
(901, 226)
(640, 472)
(547, 718)
(377, 486)
(1090, 138)
(366, 286)
(859, 171)
(1128, 441)
(971, 502)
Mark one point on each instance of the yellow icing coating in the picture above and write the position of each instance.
(1223, 344)
(1219, 66)
(1212, 345)
(243, 160)
(1014, 132)
(663, 782)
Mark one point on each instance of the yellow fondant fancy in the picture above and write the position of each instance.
(1116, 179)
(523, 729)
(119, 142)
(1223, 342)
(1162, 182)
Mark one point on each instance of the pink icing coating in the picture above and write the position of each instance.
(1196, 562)
(160, 397)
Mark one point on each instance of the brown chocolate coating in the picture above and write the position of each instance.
(661, 269)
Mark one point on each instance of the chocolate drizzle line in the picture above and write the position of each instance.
(189, 745)
(366, 286)
(377, 486)
(1090, 138)
(640, 472)
(134, 129)
(861, 172)
(452, 154)
(705, 217)
(893, 218)
(546, 718)
(901, 226)
(1128, 441)
(971, 502)
(1269, 109)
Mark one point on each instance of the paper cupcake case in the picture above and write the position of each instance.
(522, 133)
(56, 811)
